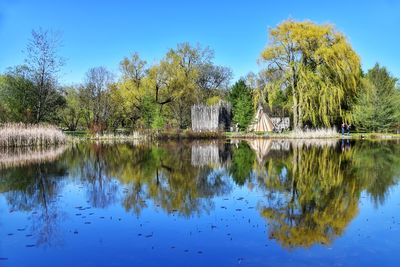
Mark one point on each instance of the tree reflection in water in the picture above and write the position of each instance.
(160, 173)
(312, 189)
(35, 190)
(313, 192)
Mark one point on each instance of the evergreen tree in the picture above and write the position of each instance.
(377, 108)
(242, 104)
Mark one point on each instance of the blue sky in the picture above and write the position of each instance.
(101, 33)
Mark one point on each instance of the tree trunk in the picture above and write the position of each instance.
(295, 100)
(299, 112)
(295, 110)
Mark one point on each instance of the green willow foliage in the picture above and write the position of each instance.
(316, 67)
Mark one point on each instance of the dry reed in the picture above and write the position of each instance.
(314, 133)
(19, 135)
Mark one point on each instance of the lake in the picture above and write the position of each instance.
(221, 203)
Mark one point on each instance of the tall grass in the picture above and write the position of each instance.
(314, 133)
(19, 135)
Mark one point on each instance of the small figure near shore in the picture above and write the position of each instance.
(348, 129)
(343, 127)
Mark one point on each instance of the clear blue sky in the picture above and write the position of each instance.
(103, 32)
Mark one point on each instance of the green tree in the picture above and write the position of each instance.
(30, 92)
(131, 89)
(16, 96)
(71, 114)
(241, 98)
(158, 120)
(377, 107)
(167, 89)
(316, 68)
(96, 99)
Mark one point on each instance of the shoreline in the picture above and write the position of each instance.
(185, 135)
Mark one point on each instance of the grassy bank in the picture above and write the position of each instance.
(313, 134)
(190, 135)
(23, 135)
(296, 134)
(147, 135)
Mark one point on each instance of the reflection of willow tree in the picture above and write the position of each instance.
(161, 173)
(35, 188)
(314, 193)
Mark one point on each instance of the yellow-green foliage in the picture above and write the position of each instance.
(316, 66)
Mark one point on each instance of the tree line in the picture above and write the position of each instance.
(309, 72)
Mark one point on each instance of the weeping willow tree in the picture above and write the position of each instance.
(316, 67)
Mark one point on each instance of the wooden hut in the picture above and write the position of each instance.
(211, 118)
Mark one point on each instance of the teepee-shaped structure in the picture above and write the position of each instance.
(262, 122)
(261, 147)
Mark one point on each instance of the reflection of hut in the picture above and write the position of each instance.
(205, 154)
(210, 154)
(262, 122)
(211, 118)
(261, 147)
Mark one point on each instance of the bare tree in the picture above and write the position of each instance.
(44, 64)
(95, 96)
(213, 77)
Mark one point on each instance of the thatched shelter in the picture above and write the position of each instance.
(262, 122)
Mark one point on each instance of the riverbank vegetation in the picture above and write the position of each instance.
(310, 73)
(34, 135)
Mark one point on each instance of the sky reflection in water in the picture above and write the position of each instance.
(253, 203)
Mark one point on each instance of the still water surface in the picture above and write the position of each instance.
(249, 203)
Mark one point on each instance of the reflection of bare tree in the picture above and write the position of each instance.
(35, 189)
(101, 188)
